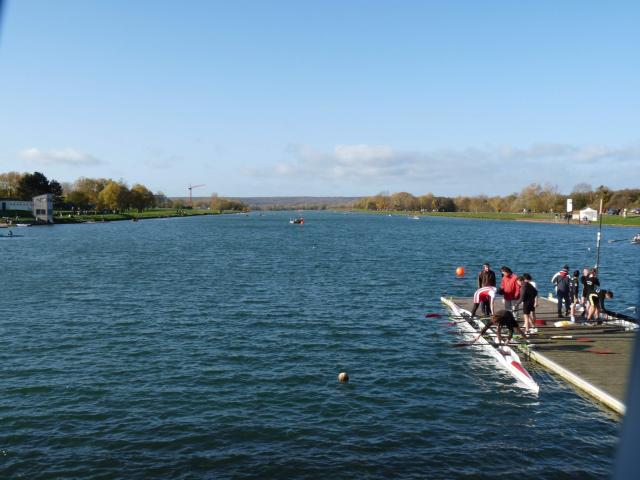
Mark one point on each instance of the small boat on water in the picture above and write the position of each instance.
(297, 221)
(505, 356)
(415, 217)
(636, 238)
(23, 225)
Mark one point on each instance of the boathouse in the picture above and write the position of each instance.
(43, 208)
(6, 204)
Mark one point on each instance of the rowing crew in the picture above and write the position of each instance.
(524, 293)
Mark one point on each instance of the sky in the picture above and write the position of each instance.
(331, 98)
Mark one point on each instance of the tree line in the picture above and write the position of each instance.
(83, 194)
(532, 198)
(99, 194)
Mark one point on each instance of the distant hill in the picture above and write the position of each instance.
(286, 202)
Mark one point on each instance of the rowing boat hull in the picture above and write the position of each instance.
(504, 355)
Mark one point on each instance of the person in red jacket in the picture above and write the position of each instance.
(510, 287)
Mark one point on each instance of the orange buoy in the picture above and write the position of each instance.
(460, 272)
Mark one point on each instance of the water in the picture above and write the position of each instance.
(209, 348)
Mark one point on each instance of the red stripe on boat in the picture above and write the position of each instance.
(520, 367)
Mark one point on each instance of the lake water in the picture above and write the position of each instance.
(209, 348)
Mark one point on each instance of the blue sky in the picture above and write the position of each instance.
(323, 98)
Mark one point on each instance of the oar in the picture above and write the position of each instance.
(469, 344)
(571, 337)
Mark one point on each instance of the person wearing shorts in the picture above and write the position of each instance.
(528, 295)
(501, 319)
(596, 303)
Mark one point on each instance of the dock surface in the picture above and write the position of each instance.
(595, 358)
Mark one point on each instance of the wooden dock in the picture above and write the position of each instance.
(595, 358)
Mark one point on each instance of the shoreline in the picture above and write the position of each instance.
(69, 219)
(608, 220)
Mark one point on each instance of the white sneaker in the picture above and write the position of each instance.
(573, 319)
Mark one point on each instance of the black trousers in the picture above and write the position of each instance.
(563, 297)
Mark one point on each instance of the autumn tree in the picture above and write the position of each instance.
(78, 199)
(140, 197)
(581, 195)
(9, 183)
(91, 187)
(114, 196)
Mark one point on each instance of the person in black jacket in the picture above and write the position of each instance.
(487, 277)
(574, 294)
(528, 294)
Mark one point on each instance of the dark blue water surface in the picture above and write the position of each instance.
(209, 348)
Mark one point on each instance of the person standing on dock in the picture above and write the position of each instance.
(596, 303)
(574, 294)
(563, 291)
(583, 298)
(528, 297)
(509, 286)
(502, 318)
(565, 268)
(487, 277)
(591, 283)
(486, 297)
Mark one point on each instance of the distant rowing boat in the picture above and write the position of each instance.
(505, 356)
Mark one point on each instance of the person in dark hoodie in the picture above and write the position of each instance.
(528, 294)
(487, 277)
(563, 290)
(574, 294)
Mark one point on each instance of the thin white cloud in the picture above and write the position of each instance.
(367, 162)
(491, 170)
(66, 156)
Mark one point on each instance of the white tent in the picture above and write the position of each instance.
(589, 214)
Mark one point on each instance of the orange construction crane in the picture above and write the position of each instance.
(191, 187)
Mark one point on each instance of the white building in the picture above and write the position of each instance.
(15, 205)
(589, 214)
(43, 208)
